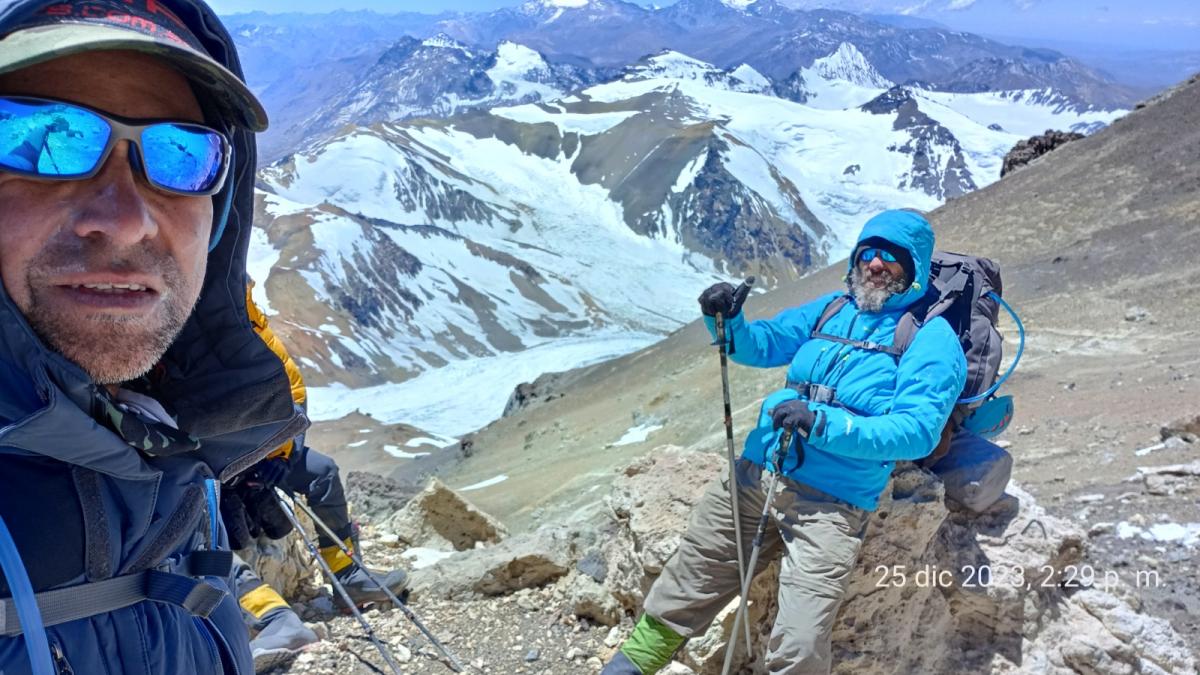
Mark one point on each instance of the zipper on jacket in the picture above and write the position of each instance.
(61, 664)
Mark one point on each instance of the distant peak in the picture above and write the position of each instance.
(555, 4)
(738, 4)
(443, 41)
(669, 63)
(848, 64)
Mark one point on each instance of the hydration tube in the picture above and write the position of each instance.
(1020, 350)
(37, 645)
(214, 513)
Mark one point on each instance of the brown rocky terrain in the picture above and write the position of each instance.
(938, 589)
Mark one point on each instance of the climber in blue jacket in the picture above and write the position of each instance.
(856, 406)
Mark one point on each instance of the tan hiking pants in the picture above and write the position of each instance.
(819, 535)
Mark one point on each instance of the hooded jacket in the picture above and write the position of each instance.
(84, 506)
(887, 408)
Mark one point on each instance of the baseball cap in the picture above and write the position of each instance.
(63, 28)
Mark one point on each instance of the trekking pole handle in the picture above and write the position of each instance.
(785, 440)
(742, 291)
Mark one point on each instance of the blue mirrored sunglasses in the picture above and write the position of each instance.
(869, 254)
(56, 140)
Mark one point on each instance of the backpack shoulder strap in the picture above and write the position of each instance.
(831, 309)
(906, 330)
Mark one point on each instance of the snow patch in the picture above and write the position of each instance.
(638, 434)
(260, 260)
(396, 452)
(424, 557)
(1184, 534)
(494, 480)
(590, 124)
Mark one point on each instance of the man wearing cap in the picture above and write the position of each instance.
(855, 407)
(131, 380)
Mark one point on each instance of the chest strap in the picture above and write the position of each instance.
(817, 393)
(193, 594)
(861, 344)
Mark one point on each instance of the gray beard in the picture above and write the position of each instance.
(870, 298)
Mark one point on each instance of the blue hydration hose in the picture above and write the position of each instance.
(214, 513)
(36, 643)
(1020, 350)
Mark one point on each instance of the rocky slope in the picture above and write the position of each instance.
(937, 589)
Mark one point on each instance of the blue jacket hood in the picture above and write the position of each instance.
(913, 233)
(221, 381)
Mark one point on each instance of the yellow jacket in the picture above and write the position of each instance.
(299, 393)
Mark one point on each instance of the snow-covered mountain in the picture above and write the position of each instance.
(440, 77)
(778, 41)
(319, 71)
(402, 248)
(669, 64)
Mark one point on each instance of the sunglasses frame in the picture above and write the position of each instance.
(129, 129)
(883, 255)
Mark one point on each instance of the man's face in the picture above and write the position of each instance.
(64, 245)
(876, 280)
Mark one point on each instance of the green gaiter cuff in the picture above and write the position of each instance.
(651, 645)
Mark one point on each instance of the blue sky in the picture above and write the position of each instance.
(1129, 24)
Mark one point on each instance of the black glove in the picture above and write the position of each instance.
(262, 507)
(271, 472)
(724, 299)
(795, 415)
(238, 525)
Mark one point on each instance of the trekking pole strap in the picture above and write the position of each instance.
(99, 597)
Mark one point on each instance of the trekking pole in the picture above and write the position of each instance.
(453, 662)
(722, 348)
(785, 439)
(337, 586)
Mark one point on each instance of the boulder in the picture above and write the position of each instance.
(374, 497)
(589, 598)
(440, 518)
(1187, 429)
(524, 561)
(649, 503)
(1172, 479)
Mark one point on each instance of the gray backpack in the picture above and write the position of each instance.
(965, 291)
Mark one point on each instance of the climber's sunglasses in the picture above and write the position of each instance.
(56, 140)
(869, 254)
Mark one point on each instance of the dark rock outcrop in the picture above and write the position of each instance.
(1031, 148)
